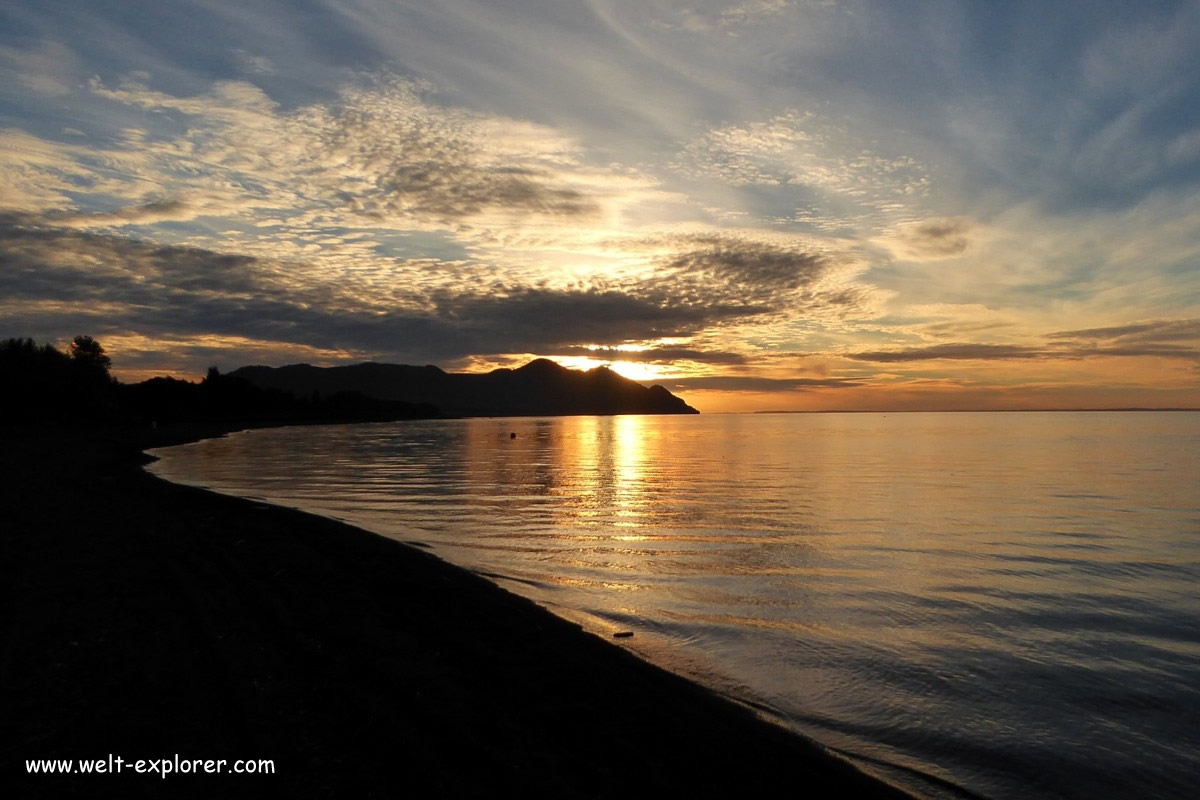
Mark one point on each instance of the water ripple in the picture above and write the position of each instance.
(999, 605)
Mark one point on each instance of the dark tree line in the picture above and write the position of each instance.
(40, 383)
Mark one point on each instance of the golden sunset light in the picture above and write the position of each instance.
(600, 399)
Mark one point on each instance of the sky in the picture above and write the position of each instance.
(759, 204)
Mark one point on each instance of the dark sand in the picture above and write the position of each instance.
(145, 619)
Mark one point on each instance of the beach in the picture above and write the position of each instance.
(146, 619)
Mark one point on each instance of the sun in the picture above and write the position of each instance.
(634, 370)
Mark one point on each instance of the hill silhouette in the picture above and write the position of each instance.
(228, 398)
(42, 384)
(541, 387)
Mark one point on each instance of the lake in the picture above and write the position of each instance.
(1004, 604)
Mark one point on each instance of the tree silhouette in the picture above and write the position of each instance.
(87, 352)
(41, 382)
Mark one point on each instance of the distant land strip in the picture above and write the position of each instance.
(954, 410)
(540, 388)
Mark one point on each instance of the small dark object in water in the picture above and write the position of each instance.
(622, 634)
(512, 436)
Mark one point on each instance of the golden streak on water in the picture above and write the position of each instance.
(947, 592)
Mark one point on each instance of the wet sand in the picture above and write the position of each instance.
(146, 619)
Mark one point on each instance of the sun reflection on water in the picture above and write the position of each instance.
(858, 572)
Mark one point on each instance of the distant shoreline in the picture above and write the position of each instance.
(952, 410)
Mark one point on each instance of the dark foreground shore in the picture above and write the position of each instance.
(144, 619)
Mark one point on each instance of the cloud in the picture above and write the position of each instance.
(830, 176)
(1156, 331)
(1178, 338)
(324, 201)
(422, 161)
(751, 11)
(173, 291)
(38, 175)
(654, 355)
(254, 64)
(141, 214)
(537, 320)
(762, 276)
(957, 352)
(1154, 339)
(319, 205)
(1162, 351)
(947, 237)
(754, 384)
(48, 68)
(748, 264)
(952, 330)
(379, 154)
(726, 17)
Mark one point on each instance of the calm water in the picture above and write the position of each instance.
(1004, 603)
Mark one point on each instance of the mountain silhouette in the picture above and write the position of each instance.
(540, 388)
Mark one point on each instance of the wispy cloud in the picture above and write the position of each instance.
(958, 352)
(654, 355)
(833, 176)
(733, 383)
(933, 238)
(1168, 339)
(1142, 332)
(47, 68)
